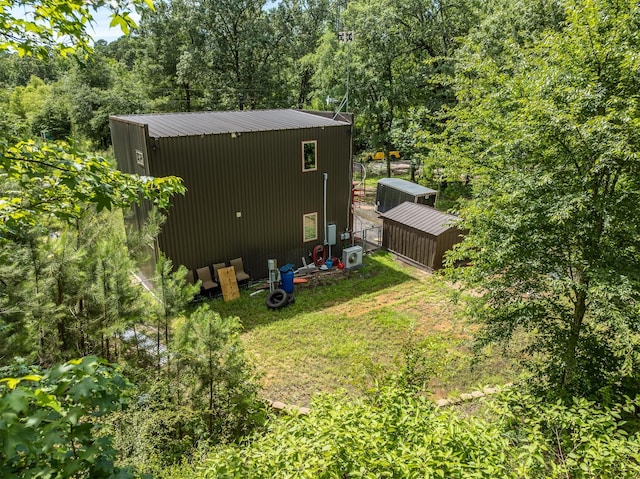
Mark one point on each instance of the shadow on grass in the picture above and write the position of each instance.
(324, 289)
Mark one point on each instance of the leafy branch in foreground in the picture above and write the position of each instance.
(60, 25)
(50, 425)
(55, 179)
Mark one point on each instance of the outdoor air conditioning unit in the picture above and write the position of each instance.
(352, 257)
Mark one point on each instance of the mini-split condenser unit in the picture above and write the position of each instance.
(352, 257)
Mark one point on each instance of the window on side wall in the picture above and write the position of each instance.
(310, 155)
(310, 226)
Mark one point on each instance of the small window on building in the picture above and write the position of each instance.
(310, 226)
(310, 155)
(140, 158)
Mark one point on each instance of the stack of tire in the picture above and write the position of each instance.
(279, 298)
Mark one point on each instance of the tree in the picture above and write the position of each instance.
(174, 294)
(53, 178)
(399, 58)
(213, 399)
(51, 425)
(300, 25)
(58, 25)
(242, 53)
(67, 290)
(208, 350)
(57, 179)
(172, 56)
(548, 125)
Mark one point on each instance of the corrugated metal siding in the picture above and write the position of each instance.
(260, 175)
(400, 234)
(214, 122)
(410, 243)
(421, 217)
(128, 138)
(389, 197)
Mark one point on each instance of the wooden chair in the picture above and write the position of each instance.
(241, 275)
(208, 284)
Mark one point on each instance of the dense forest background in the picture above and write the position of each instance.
(535, 100)
(192, 56)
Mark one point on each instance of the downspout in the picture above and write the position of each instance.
(350, 203)
(326, 233)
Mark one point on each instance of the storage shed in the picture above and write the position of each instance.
(420, 232)
(393, 191)
(260, 185)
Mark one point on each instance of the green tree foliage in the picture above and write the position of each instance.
(299, 25)
(242, 53)
(208, 352)
(174, 295)
(209, 398)
(51, 422)
(402, 435)
(167, 40)
(399, 58)
(56, 179)
(548, 125)
(156, 431)
(68, 291)
(57, 24)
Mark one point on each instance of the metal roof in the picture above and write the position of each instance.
(421, 217)
(165, 125)
(407, 186)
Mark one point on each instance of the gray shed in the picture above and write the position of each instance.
(258, 182)
(420, 233)
(391, 192)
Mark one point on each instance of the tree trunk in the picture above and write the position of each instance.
(187, 97)
(62, 330)
(579, 311)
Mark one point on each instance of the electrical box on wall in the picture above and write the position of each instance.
(331, 235)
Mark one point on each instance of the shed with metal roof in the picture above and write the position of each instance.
(262, 184)
(420, 233)
(391, 192)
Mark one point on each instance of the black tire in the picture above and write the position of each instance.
(277, 299)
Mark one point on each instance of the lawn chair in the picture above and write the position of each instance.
(208, 284)
(241, 275)
(216, 267)
(190, 278)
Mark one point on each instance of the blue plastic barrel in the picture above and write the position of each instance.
(286, 278)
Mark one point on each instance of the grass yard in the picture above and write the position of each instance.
(347, 329)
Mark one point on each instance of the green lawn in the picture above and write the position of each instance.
(348, 328)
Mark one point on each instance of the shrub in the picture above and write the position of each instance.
(403, 435)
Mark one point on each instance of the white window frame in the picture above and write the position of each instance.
(305, 238)
(315, 153)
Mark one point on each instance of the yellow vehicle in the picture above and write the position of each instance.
(379, 156)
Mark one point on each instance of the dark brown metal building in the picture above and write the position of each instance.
(419, 232)
(258, 182)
